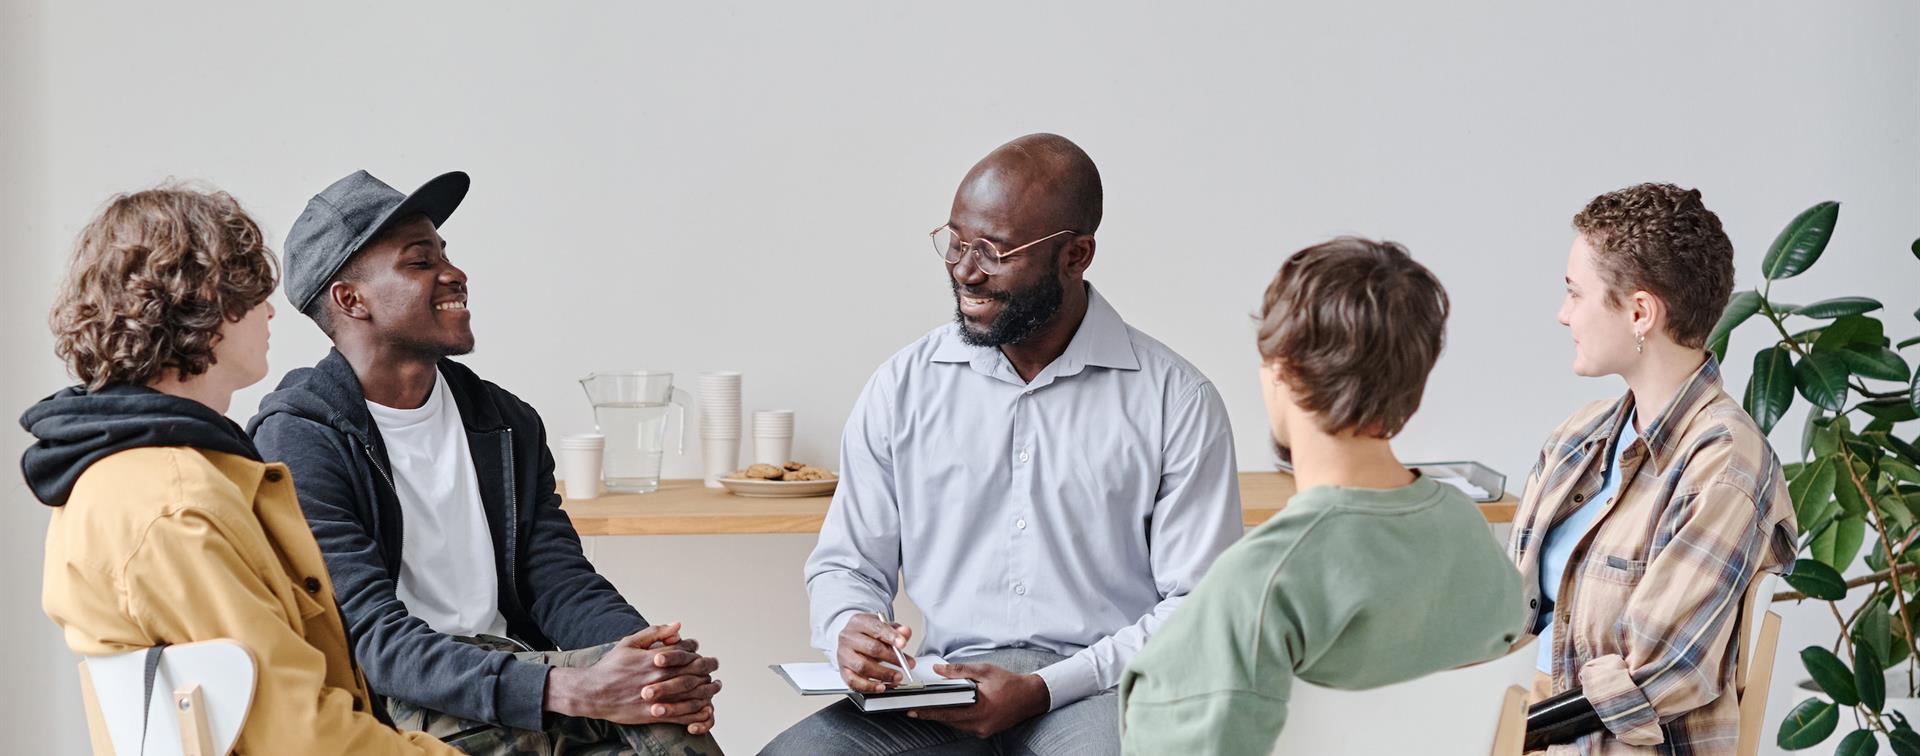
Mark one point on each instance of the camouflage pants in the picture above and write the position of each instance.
(565, 736)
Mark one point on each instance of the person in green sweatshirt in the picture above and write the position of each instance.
(1371, 575)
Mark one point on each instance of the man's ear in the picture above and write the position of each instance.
(1648, 311)
(345, 300)
(1077, 255)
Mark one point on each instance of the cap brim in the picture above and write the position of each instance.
(435, 199)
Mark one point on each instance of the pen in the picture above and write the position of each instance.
(904, 671)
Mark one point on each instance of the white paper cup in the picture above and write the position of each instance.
(722, 456)
(580, 464)
(772, 451)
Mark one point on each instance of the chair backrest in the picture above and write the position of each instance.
(1477, 710)
(1753, 676)
(218, 674)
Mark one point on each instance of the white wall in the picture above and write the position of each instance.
(723, 185)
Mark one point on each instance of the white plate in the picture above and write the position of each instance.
(779, 489)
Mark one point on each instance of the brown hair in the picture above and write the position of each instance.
(1661, 239)
(152, 280)
(1353, 326)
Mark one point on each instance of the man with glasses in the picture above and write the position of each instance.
(1049, 481)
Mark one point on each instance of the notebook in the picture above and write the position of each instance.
(925, 690)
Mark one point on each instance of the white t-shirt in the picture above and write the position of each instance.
(447, 578)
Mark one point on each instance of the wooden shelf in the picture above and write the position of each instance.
(687, 507)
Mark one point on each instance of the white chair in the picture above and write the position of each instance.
(201, 694)
(1477, 710)
(1753, 676)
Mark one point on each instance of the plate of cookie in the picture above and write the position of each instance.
(791, 480)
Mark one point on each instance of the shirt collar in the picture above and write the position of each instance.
(1103, 340)
(1663, 432)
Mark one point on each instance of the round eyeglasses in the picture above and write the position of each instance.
(986, 254)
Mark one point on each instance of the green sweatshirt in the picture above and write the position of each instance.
(1345, 588)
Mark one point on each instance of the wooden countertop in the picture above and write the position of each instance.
(687, 507)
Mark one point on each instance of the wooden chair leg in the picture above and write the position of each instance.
(196, 737)
(1753, 697)
(1512, 732)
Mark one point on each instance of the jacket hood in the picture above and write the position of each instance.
(76, 428)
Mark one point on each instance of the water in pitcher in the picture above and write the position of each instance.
(635, 434)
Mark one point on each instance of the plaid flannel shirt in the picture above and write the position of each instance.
(1645, 625)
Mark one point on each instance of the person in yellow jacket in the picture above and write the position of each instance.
(167, 527)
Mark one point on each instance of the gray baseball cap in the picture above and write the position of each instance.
(345, 216)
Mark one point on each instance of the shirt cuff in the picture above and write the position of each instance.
(1069, 680)
(520, 695)
(1622, 706)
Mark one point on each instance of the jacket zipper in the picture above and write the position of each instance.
(375, 462)
(513, 522)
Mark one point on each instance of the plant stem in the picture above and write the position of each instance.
(1893, 558)
(1851, 584)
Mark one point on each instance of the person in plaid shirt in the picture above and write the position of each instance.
(1647, 515)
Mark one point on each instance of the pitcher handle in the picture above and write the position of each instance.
(680, 400)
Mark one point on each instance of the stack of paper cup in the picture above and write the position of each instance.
(580, 464)
(720, 423)
(772, 437)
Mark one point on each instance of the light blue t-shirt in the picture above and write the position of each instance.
(1563, 537)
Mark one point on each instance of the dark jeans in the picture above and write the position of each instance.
(1090, 726)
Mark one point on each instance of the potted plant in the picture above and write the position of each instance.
(1855, 485)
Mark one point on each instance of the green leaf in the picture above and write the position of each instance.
(1880, 364)
(1838, 306)
(1770, 390)
(1901, 470)
(1916, 248)
(1902, 448)
(1840, 544)
(1817, 580)
(1812, 491)
(1896, 410)
(1904, 343)
(1831, 674)
(1742, 306)
(1913, 393)
(1870, 631)
(1799, 244)
(1809, 723)
(1869, 678)
(1851, 330)
(1846, 489)
(1858, 743)
(1904, 742)
(1822, 379)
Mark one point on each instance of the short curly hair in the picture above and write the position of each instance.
(153, 279)
(1661, 239)
(1354, 326)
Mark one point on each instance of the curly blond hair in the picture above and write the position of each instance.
(153, 279)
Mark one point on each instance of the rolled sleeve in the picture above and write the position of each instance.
(1622, 706)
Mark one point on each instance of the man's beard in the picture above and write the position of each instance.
(1024, 312)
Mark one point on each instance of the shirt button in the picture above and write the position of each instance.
(1029, 393)
(1020, 523)
(1533, 603)
(1023, 455)
(1019, 589)
(313, 585)
(1577, 498)
(273, 476)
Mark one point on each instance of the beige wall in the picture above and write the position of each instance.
(729, 185)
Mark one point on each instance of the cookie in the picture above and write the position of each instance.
(766, 472)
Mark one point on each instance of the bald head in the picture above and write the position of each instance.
(1038, 181)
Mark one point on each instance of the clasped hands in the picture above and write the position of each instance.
(650, 677)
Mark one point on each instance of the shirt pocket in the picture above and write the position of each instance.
(1609, 583)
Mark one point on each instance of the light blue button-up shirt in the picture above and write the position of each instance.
(1071, 514)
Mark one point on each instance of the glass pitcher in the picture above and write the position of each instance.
(630, 408)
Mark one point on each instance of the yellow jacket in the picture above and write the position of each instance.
(174, 545)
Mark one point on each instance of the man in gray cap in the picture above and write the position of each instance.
(431, 493)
